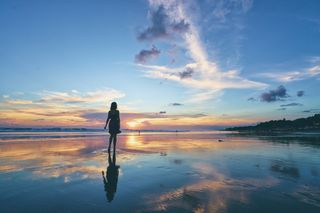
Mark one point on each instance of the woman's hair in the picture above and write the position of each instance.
(113, 106)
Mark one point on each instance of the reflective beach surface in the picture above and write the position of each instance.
(159, 172)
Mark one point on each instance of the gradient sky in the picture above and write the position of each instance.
(169, 64)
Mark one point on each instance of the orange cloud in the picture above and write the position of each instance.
(72, 109)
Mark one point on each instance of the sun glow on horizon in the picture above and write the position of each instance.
(132, 124)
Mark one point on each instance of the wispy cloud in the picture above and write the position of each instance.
(175, 104)
(224, 21)
(74, 97)
(204, 96)
(223, 9)
(208, 79)
(291, 104)
(252, 99)
(314, 70)
(17, 102)
(314, 59)
(311, 111)
(202, 74)
(289, 76)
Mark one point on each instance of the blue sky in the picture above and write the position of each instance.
(210, 57)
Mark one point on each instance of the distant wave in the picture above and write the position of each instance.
(55, 129)
(59, 129)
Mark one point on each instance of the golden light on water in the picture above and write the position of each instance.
(131, 140)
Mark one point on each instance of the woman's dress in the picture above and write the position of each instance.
(114, 123)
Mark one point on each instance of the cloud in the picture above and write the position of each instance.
(99, 96)
(224, 9)
(205, 79)
(89, 109)
(131, 116)
(252, 99)
(52, 108)
(158, 26)
(204, 96)
(315, 70)
(311, 110)
(211, 193)
(285, 76)
(175, 104)
(94, 115)
(225, 22)
(300, 93)
(284, 169)
(144, 55)
(314, 59)
(181, 27)
(17, 102)
(156, 120)
(274, 95)
(162, 121)
(297, 75)
(201, 74)
(291, 104)
(282, 109)
(186, 73)
(162, 26)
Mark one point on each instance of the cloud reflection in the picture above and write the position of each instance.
(68, 158)
(171, 172)
(210, 194)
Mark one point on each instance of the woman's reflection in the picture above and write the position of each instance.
(110, 180)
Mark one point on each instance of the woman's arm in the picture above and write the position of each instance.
(107, 121)
(104, 179)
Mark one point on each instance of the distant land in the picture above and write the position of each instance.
(301, 124)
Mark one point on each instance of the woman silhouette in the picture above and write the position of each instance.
(114, 125)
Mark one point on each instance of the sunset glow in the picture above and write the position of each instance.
(169, 64)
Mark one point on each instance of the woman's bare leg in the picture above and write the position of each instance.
(114, 142)
(110, 141)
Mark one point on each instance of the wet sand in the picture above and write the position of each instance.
(184, 172)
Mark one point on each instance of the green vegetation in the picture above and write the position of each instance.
(301, 124)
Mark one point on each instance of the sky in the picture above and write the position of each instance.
(169, 64)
